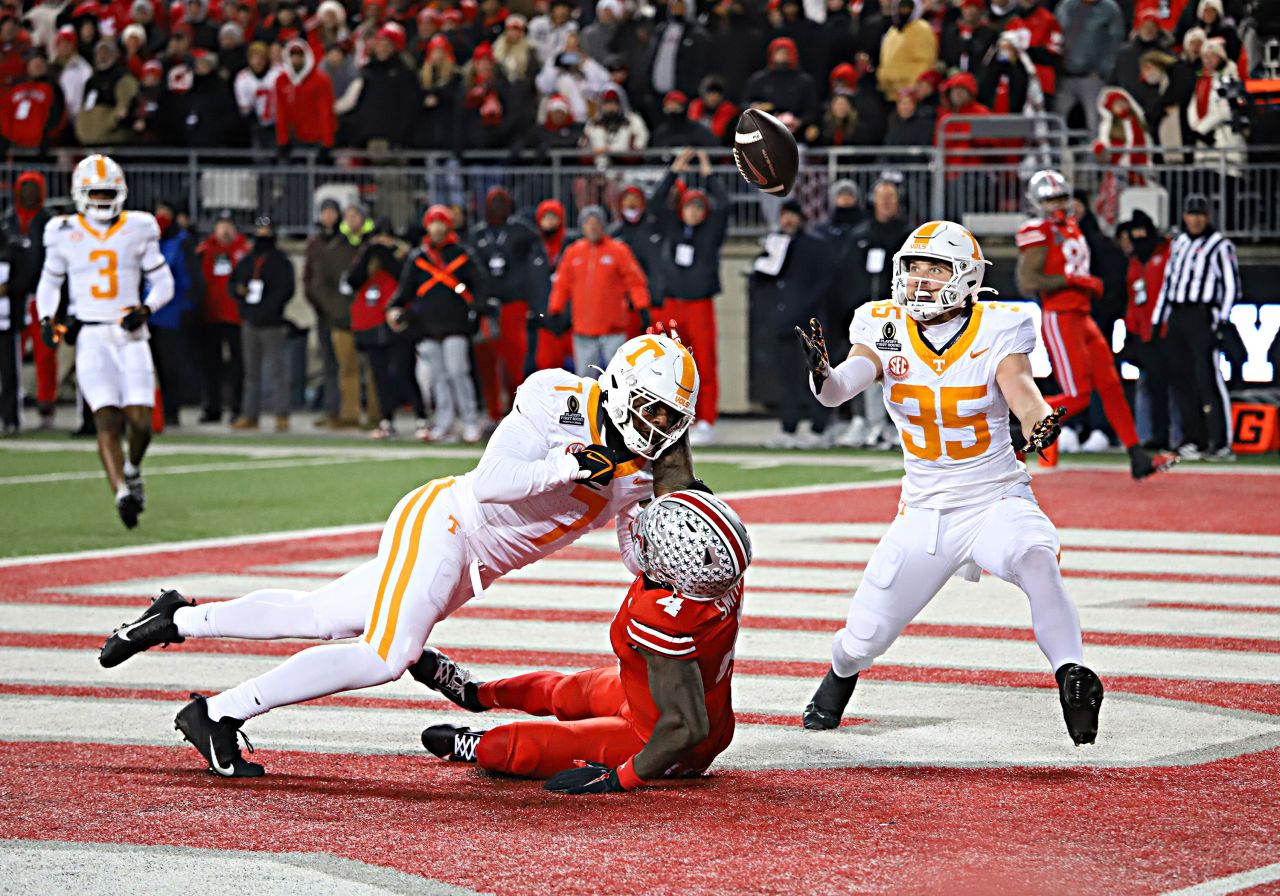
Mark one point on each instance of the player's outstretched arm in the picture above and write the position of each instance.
(676, 687)
(1016, 383)
(833, 386)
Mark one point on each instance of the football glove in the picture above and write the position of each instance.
(1046, 432)
(597, 464)
(814, 345)
(585, 777)
(136, 317)
(51, 333)
(557, 324)
(1086, 283)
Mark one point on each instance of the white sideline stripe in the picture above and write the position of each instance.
(1232, 883)
(194, 468)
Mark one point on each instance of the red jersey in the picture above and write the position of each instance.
(216, 262)
(28, 116)
(369, 308)
(1039, 30)
(662, 622)
(1144, 282)
(1068, 255)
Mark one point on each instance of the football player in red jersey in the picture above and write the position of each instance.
(1053, 263)
(664, 709)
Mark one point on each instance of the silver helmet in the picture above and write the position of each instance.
(1045, 185)
(695, 543)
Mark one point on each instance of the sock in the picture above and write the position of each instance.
(195, 622)
(130, 469)
(122, 491)
(243, 702)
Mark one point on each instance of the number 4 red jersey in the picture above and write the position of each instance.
(1068, 255)
(656, 620)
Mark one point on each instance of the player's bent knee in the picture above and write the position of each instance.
(1034, 559)
(498, 751)
(858, 645)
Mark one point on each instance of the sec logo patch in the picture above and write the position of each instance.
(898, 367)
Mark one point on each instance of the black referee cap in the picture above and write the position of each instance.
(1196, 204)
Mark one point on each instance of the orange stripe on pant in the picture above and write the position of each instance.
(589, 706)
(406, 570)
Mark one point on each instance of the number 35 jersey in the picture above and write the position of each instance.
(953, 420)
(104, 266)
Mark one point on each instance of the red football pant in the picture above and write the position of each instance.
(591, 726)
(46, 360)
(554, 351)
(696, 321)
(1083, 364)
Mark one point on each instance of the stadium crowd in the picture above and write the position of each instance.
(615, 76)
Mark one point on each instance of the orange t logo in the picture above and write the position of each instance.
(648, 345)
(453, 528)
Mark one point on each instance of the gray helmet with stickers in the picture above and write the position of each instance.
(695, 543)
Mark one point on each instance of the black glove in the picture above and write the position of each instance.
(1046, 432)
(136, 317)
(816, 359)
(587, 777)
(597, 464)
(51, 333)
(646, 320)
(558, 324)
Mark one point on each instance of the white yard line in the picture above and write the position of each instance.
(196, 468)
(1233, 883)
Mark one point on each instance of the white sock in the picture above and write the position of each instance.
(260, 615)
(1054, 617)
(130, 469)
(122, 491)
(314, 672)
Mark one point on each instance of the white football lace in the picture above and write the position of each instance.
(464, 746)
(451, 677)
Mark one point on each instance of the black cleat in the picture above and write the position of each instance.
(1142, 464)
(1080, 692)
(134, 485)
(155, 627)
(453, 743)
(829, 700)
(128, 507)
(216, 741)
(442, 674)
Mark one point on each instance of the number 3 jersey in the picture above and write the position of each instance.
(655, 620)
(104, 265)
(953, 420)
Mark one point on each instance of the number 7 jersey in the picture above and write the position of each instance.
(104, 265)
(953, 420)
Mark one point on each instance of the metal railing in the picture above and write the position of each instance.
(987, 196)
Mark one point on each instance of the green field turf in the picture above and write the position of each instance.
(69, 507)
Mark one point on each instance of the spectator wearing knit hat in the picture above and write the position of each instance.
(601, 281)
(960, 92)
(1036, 33)
(616, 133)
(209, 113)
(911, 124)
(439, 79)
(388, 90)
(1147, 37)
(1007, 80)
(966, 40)
(693, 238)
(575, 76)
(204, 34)
(514, 52)
(1211, 115)
(856, 114)
(304, 101)
(112, 90)
(637, 226)
(486, 107)
(33, 112)
(71, 69)
(598, 36)
(548, 31)
(909, 48)
(327, 27)
(782, 89)
(233, 55)
(255, 92)
(713, 109)
(676, 128)
(810, 37)
(1215, 18)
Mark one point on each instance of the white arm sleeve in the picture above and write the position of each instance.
(515, 466)
(846, 381)
(161, 282)
(49, 292)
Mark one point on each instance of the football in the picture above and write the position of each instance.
(765, 152)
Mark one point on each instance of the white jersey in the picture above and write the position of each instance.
(104, 266)
(953, 420)
(518, 504)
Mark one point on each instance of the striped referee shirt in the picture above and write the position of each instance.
(1201, 270)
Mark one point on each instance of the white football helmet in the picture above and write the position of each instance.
(643, 372)
(94, 173)
(944, 241)
(695, 543)
(1044, 185)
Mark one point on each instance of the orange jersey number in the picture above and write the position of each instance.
(926, 417)
(109, 284)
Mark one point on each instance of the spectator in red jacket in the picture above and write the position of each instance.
(304, 101)
(554, 344)
(1037, 32)
(714, 109)
(14, 44)
(960, 92)
(1142, 340)
(33, 110)
(598, 277)
(218, 337)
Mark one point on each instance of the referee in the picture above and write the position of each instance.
(1200, 285)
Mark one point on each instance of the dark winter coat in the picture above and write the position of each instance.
(799, 291)
(390, 100)
(508, 254)
(436, 308)
(271, 266)
(691, 255)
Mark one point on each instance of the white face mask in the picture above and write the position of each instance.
(632, 215)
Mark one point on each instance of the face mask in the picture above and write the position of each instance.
(1002, 56)
(164, 221)
(632, 215)
(263, 243)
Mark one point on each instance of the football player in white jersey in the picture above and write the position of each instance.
(104, 254)
(952, 368)
(573, 455)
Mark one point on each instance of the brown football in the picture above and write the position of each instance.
(765, 152)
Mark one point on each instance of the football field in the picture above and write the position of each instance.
(953, 772)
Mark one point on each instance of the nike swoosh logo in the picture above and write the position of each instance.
(123, 634)
(983, 351)
(760, 178)
(225, 770)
